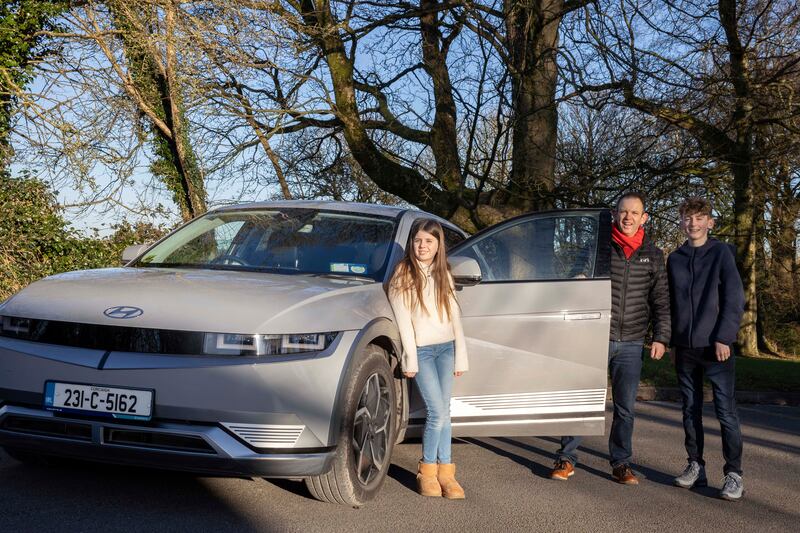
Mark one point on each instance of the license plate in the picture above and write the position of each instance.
(99, 400)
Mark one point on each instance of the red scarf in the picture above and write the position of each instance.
(628, 244)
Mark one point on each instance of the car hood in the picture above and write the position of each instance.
(204, 300)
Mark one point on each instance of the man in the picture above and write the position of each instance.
(639, 295)
(707, 308)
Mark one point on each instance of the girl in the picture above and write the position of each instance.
(429, 320)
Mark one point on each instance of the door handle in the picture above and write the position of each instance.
(582, 316)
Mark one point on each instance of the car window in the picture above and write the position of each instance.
(224, 234)
(539, 248)
(289, 240)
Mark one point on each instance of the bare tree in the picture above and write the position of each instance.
(525, 34)
(21, 47)
(150, 76)
(119, 82)
(712, 71)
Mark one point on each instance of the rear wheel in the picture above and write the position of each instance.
(366, 437)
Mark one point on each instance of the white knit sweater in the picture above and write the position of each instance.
(418, 328)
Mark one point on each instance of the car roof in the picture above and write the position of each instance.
(351, 207)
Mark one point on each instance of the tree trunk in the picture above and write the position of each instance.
(387, 173)
(151, 81)
(532, 33)
(763, 281)
(444, 135)
(191, 177)
(741, 160)
(783, 238)
(6, 151)
(745, 239)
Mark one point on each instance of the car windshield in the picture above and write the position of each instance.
(292, 241)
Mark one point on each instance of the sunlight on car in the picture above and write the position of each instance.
(258, 340)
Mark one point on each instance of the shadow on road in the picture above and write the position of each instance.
(84, 496)
(289, 485)
(538, 469)
(403, 476)
(711, 427)
(543, 471)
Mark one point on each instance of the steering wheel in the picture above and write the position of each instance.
(230, 259)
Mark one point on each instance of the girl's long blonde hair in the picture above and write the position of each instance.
(409, 279)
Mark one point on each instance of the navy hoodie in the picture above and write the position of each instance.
(706, 295)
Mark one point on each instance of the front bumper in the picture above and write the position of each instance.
(194, 448)
(202, 390)
(213, 415)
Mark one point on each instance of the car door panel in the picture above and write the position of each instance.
(529, 361)
(536, 329)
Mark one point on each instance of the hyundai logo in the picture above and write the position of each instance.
(123, 311)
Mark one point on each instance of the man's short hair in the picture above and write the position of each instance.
(632, 194)
(695, 206)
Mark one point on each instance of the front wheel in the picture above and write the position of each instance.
(366, 436)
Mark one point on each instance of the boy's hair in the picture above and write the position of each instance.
(695, 206)
(632, 194)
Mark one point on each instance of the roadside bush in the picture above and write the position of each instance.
(787, 336)
(37, 241)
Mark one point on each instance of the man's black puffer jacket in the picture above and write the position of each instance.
(639, 290)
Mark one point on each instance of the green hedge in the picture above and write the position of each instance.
(36, 241)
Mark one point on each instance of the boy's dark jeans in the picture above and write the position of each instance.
(625, 367)
(691, 364)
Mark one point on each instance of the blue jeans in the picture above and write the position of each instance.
(691, 364)
(435, 382)
(625, 366)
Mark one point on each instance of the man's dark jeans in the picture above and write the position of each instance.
(691, 364)
(625, 366)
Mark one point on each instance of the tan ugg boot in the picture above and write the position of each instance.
(447, 480)
(427, 485)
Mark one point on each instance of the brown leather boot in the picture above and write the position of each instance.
(623, 474)
(427, 485)
(562, 471)
(447, 479)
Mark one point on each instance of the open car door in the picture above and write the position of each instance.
(537, 328)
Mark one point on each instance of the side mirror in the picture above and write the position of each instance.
(132, 252)
(466, 271)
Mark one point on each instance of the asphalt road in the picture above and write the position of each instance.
(505, 480)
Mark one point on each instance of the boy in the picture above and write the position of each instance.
(707, 303)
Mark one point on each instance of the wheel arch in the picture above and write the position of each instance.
(383, 333)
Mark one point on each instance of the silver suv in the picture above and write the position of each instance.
(257, 340)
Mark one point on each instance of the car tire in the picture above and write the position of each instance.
(366, 436)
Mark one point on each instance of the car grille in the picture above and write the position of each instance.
(49, 428)
(157, 440)
(103, 337)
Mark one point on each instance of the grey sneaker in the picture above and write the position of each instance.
(694, 475)
(732, 487)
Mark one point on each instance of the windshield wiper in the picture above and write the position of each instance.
(336, 275)
(225, 268)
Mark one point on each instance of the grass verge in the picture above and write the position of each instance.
(752, 374)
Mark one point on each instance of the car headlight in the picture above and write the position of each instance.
(289, 344)
(14, 326)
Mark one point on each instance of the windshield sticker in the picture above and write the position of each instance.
(349, 268)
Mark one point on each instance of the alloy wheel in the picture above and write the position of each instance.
(371, 428)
